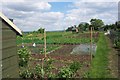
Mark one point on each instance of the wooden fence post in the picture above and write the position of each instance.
(45, 43)
(91, 44)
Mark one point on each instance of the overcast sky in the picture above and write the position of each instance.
(33, 14)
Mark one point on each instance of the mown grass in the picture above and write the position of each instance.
(99, 64)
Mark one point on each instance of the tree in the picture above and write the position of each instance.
(106, 27)
(41, 30)
(96, 23)
(83, 27)
(117, 25)
(70, 28)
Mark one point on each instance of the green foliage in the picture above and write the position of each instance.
(54, 38)
(70, 28)
(24, 56)
(51, 75)
(26, 74)
(118, 25)
(75, 66)
(96, 23)
(117, 43)
(86, 75)
(116, 39)
(69, 71)
(41, 30)
(38, 70)
(65, 72)
(83, 27)
(48, 65)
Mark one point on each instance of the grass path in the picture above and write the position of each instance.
(99, 66)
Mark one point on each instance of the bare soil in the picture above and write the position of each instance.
(63, 57)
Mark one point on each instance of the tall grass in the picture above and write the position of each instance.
(99, 65)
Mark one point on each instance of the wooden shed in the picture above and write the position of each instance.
(8, 49)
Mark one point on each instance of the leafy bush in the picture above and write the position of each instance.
(51, 75)
(65, 72)
(75, 66)
(48, 65)
(117, 42)
(38, 70)
(69, 71)
(41, 30)
(46, 70)
(26, 74)
(24, 56)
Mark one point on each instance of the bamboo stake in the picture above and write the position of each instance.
(45, 43)
(42, 71)
(44, 53)
(91, 44)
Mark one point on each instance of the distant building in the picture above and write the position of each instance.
(74, 30)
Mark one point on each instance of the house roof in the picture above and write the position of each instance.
(10, 23)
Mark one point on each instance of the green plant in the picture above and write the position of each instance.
(51, 75)
(69, 71)
(75, 66)
(48, 65)
(86, 75)
(38, 69)
(117, 42)
(46, 70)
(65, 72)
(55, 37)
(24, 56)
(25, 74)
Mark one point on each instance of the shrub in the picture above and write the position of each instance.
(26, 74)
(117, 42)
(75, 66)
(69, 71)
(38, 70)
(65, 72)
(24, 56)
(48, 65)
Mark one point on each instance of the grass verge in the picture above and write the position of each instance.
(99, 65)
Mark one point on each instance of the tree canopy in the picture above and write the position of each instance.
(96, 23)
(41, 30)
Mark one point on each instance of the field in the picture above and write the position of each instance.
(57, 38)
(59, 59)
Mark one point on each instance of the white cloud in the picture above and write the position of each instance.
(99, 0)
(27, 6)
(48, 20)
(31, 15)
(12, 0)
(84, 11)
(42, 5)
